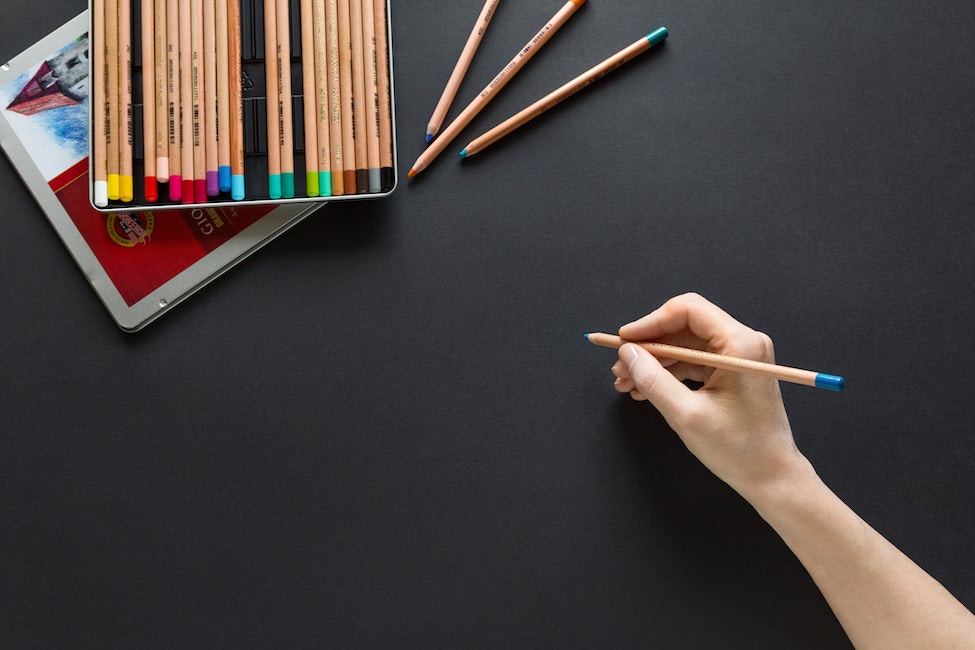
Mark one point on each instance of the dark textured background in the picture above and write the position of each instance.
(385, 429)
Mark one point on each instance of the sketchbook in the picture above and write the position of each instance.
(140, 264)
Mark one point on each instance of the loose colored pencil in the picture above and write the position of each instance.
(345, 82)
(223, 98)
(359, 101)
(113, 137)
(372, 95)
(99, 127)
(186, 121)
(161, 98)
(385, 105)
(326, 186)
(460, 70)
(175, 108)
(126, 189)
(722, 362)
(199, 81)
(284, 97)
(148, 16)
(237, 185)
(335, 98)
(310, 98)
(490, 92)
(273, 107)
(210, 89)
(553, 99)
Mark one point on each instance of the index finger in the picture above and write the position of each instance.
(687, 312)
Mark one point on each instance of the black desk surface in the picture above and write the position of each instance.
(386, 429)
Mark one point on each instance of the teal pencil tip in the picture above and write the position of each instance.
(463, 154)
(658, 35)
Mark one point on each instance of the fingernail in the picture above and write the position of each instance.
(628, 354)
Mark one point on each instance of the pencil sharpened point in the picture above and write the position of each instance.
(429, 138)
(411, 173)
(586, 336)
(463, 154)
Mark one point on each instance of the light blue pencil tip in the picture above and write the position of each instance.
(237, 188)
(429, 138)
(463, 153)
(658, 35)
(830, 382)
(224, 179)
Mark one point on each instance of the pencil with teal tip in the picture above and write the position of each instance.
(271, 104)
(284, 97)
(555, 98)
(237, 186)
(821, 380)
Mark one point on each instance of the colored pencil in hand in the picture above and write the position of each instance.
(359, 101)
(237, 185)
(99, 105)
(460, 70)
(491, 91)
(372, 94)
(126, 189)
(553, 99)
(113, 135)
(223, 98)
(175, 98)
(148, 16)
(161, 97)
(273, 107)
(312, 185)
(186, 121)
(722, 362)
(385, 105)
(347, 172)
(284, 97)
(335, 98)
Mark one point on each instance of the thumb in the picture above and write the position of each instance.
(655, 382)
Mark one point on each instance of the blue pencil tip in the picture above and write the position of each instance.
(463, 154)
(586, 336)
(429, 138)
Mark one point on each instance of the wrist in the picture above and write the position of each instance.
(796, 482)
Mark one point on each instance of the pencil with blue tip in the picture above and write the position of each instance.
(521, 59)
(238, 189)
(223, 98)
(461, 68)
(272, 105)
(568, 90)
(821, 380)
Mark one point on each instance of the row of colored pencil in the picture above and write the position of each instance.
(347, 115)
(191, 92)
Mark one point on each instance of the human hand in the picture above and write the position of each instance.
(736, 423)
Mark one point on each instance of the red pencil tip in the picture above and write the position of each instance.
(411, 173)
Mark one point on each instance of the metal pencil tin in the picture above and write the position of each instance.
(254, 116)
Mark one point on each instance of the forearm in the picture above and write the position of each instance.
(881, 598)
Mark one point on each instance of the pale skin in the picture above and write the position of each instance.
(737, 426)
